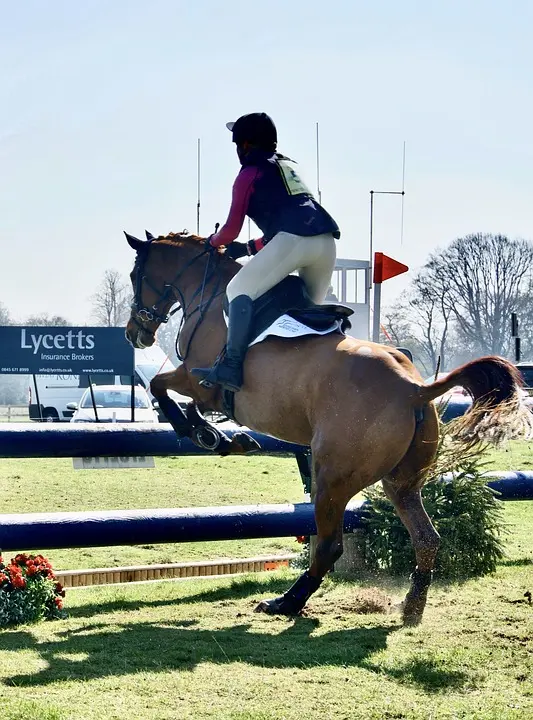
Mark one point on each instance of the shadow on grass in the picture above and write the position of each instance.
(238, 589)
(99, 651)
(426, 672)
(519, 562)
(141, 647)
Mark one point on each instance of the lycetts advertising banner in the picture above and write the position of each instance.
(64, 351)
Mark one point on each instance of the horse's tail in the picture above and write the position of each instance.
(491, 380)
(497, 412)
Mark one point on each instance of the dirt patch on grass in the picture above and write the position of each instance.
(360, 601)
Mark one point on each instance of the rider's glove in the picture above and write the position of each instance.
(236, 250)
(253, 248)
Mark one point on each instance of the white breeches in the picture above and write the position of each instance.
(313, 258)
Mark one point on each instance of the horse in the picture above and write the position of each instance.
(361, 407)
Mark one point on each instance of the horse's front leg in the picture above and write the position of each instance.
(192, 424)
(159, 386)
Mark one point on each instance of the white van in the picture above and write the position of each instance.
(56, 391)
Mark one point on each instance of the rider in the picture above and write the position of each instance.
(298, 234)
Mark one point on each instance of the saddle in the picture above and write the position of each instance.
(290, 297)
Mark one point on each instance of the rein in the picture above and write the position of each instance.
(142, 314)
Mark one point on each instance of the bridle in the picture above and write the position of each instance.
(170, 294)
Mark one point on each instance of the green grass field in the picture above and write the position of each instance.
(38, 485)
(195, 649)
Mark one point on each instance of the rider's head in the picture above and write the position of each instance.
(253, 131)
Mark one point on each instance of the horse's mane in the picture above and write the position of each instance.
(180, 239)
(187, 239)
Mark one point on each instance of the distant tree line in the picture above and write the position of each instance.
(14, 388)
(459, 305)
(110, 308)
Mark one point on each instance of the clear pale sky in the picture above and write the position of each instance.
(102, 102)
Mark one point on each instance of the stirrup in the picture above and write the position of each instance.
(211, 377)
(205, 382)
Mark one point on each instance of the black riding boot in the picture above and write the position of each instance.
(227, 372)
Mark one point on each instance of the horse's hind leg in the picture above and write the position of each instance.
(425, 541)
(403, 489)
(330, 502)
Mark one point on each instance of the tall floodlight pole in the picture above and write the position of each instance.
(198, 190)
(319, 191)
(403, 193)
(372, 193)
(384, 192)
(377, 287)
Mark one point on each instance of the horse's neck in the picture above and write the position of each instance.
(193, 296)
(204, 330)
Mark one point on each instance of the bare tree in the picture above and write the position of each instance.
(524, 311)
(414, 323)
(481, 280)
(13, 389)
(46, 320)
(111, 300)
(5, 317)
(420, 321)
(431, 315)
(459, 305)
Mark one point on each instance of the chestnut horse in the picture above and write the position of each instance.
(361, 407)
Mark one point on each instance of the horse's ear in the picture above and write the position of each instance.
(134, 242)
(149, 236)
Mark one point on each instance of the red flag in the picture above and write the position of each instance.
(386, 268)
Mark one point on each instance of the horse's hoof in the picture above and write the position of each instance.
(270, 607)
(276, 606)
(413, 609)
(247, 442)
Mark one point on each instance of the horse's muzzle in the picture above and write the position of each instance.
(138, 336)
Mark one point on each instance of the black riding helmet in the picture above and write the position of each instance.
(256, 128)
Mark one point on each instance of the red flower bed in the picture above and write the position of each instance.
(29, 591)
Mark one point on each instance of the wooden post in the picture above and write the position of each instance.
(351, 559)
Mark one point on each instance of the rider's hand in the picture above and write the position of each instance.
(208, 246)
(252, 249)
(236, 250)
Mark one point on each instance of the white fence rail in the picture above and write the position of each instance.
(9, 413)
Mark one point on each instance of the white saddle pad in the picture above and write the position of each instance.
(287, 327)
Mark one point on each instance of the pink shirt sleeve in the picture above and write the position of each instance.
(243, 188)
